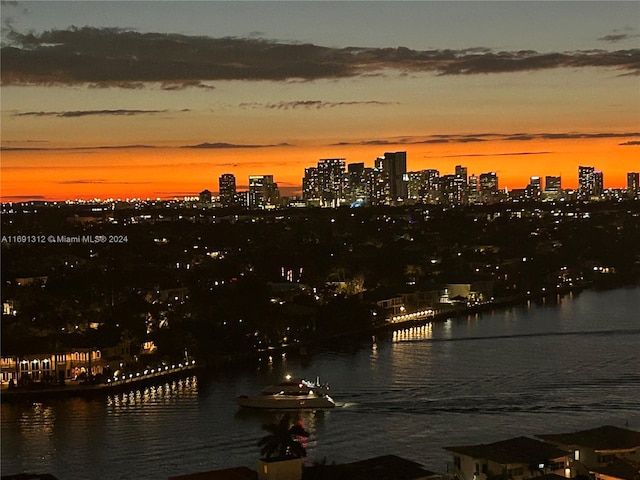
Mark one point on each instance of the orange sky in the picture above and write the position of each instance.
(172, 172)
(520, 88)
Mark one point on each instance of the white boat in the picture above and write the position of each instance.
(292, 393)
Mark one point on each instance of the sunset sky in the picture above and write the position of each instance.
(159, 98)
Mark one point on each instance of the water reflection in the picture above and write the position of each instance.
(166, 393)
(422, 332)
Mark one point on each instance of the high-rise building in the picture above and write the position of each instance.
(227, 189)
(327, 183)
(461, 172)
(633, 183)
(552, 183)
(263, 191)
(357, 183)
(534, 188)
(598, 183)
(331, 180)
(489, 182)
(394, 167)
(488, 186)
(453, 190)
(310, 184)
(585, 181)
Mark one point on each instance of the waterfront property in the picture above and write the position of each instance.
(516, 458)
(598, 447)
(385, 467)
(43, 364)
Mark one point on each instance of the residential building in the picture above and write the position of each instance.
(597, 447)
(633, 184)
(552, 183)
(263, 192)
(534, 189)
(73, 362)
(227, 189)
(453, 190)
(394, 167)
(518, 458)
(590, 182)
(488, 186)
(331, 181)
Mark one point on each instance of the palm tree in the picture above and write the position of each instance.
(283, 439)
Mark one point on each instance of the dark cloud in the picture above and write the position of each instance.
(101, 182)
(618, 37)
(484, 137)
(113, 57)
(19, 198)
(219, 145)
(318, 104)
(631, 142)
(88, 113)
(99, 147)
(510, 154)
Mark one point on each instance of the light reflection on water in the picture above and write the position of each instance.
(564, 365)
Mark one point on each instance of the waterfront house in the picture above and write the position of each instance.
(385, 467)
(235, 473)
(617, 469)
(597, 447)
(41, 360)
(517, 458)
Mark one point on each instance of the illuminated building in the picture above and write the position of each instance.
(331, 181)
(633, 183)
(461, 172)
(358, 189)
(488, 186)
(534, 188)
(263, 191)
(227, 189)
(453, 190)
(327, 183)
(393, 165)
(552, 183)
(586, 181)
(310, 184)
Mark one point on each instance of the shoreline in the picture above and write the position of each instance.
(31, 394)
(213, 365)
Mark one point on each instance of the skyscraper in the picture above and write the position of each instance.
(394, 167)
(263, 191)
(633, 183)
(227, 189)
(598, 183)
(585, 181)
(488, 186)
(310, 184)
(552, 183)
(461, 172)
(331, 180)
(534, 188)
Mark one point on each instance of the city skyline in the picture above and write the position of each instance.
(168, 96)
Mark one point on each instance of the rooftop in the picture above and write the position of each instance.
(515, 450)
(235, 473)
(620, 468)
(386, 467)
(602, 438)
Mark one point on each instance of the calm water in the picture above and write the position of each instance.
(568, 364)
